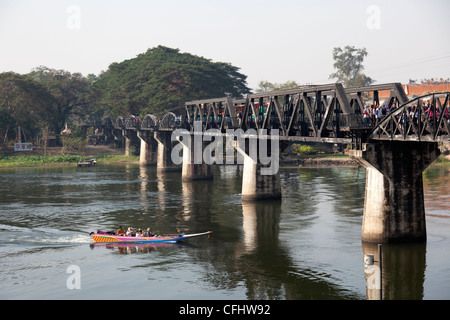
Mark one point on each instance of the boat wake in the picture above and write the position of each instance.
(69, 239)
(26, 236)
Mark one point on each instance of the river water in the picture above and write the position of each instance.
(307, 246)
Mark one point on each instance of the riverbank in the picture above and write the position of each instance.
(340, 161)
(108, 155)
(55, 157)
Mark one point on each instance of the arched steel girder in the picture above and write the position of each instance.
(119, 123)
(150, 122)
(425, 118)
(170, 122)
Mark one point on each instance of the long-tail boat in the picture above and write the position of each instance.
(111, 237)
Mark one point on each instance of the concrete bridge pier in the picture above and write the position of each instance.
(194, 166)
(117, 138)
(259, 181)
(394, 209)
(131, 140)
(149, 148)
(164, 153)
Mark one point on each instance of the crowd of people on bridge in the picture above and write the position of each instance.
(133, 121)
(373, 114)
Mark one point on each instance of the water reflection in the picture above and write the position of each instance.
(143, 194)
(258, 260)
(260, 223)
(127, 248)
(372, 269)
(403, 271)
(437, 183)
(188, 195)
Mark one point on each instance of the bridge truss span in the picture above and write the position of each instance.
(313, 113)
(309, 113)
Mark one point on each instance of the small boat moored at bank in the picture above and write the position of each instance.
(110, 237)
(87, 163)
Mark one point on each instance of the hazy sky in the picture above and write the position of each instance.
(275, 41)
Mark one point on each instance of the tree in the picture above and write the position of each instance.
(72, 93)
(266, 86)
(348, 66)
(162, 79)
(24, 103)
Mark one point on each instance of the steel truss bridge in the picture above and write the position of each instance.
(314, 113)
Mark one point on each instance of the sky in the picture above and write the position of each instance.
(275, 41)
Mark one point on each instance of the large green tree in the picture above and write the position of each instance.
(72, 93)
(23, 103)
(162, 79)
(348, 65)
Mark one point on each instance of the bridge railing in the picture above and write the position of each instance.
(353, 121)
(132, 123)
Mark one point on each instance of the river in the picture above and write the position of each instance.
(307, 246)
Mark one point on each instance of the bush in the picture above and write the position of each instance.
(301, 149)
(306, 149)
(29, 161)
(73, 144)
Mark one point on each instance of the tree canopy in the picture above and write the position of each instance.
(266, 86)
(23, 102)
(349, 67)
(162, 79)
(72, 94)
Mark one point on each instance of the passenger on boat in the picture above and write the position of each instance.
(139, 233)
(150, 232)
(130, 232)
(120, 231)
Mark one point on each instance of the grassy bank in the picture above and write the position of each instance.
(116, 159)
(17, 161)
(59, 160)
(442, 161)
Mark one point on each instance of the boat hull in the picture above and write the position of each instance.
(108, 238)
